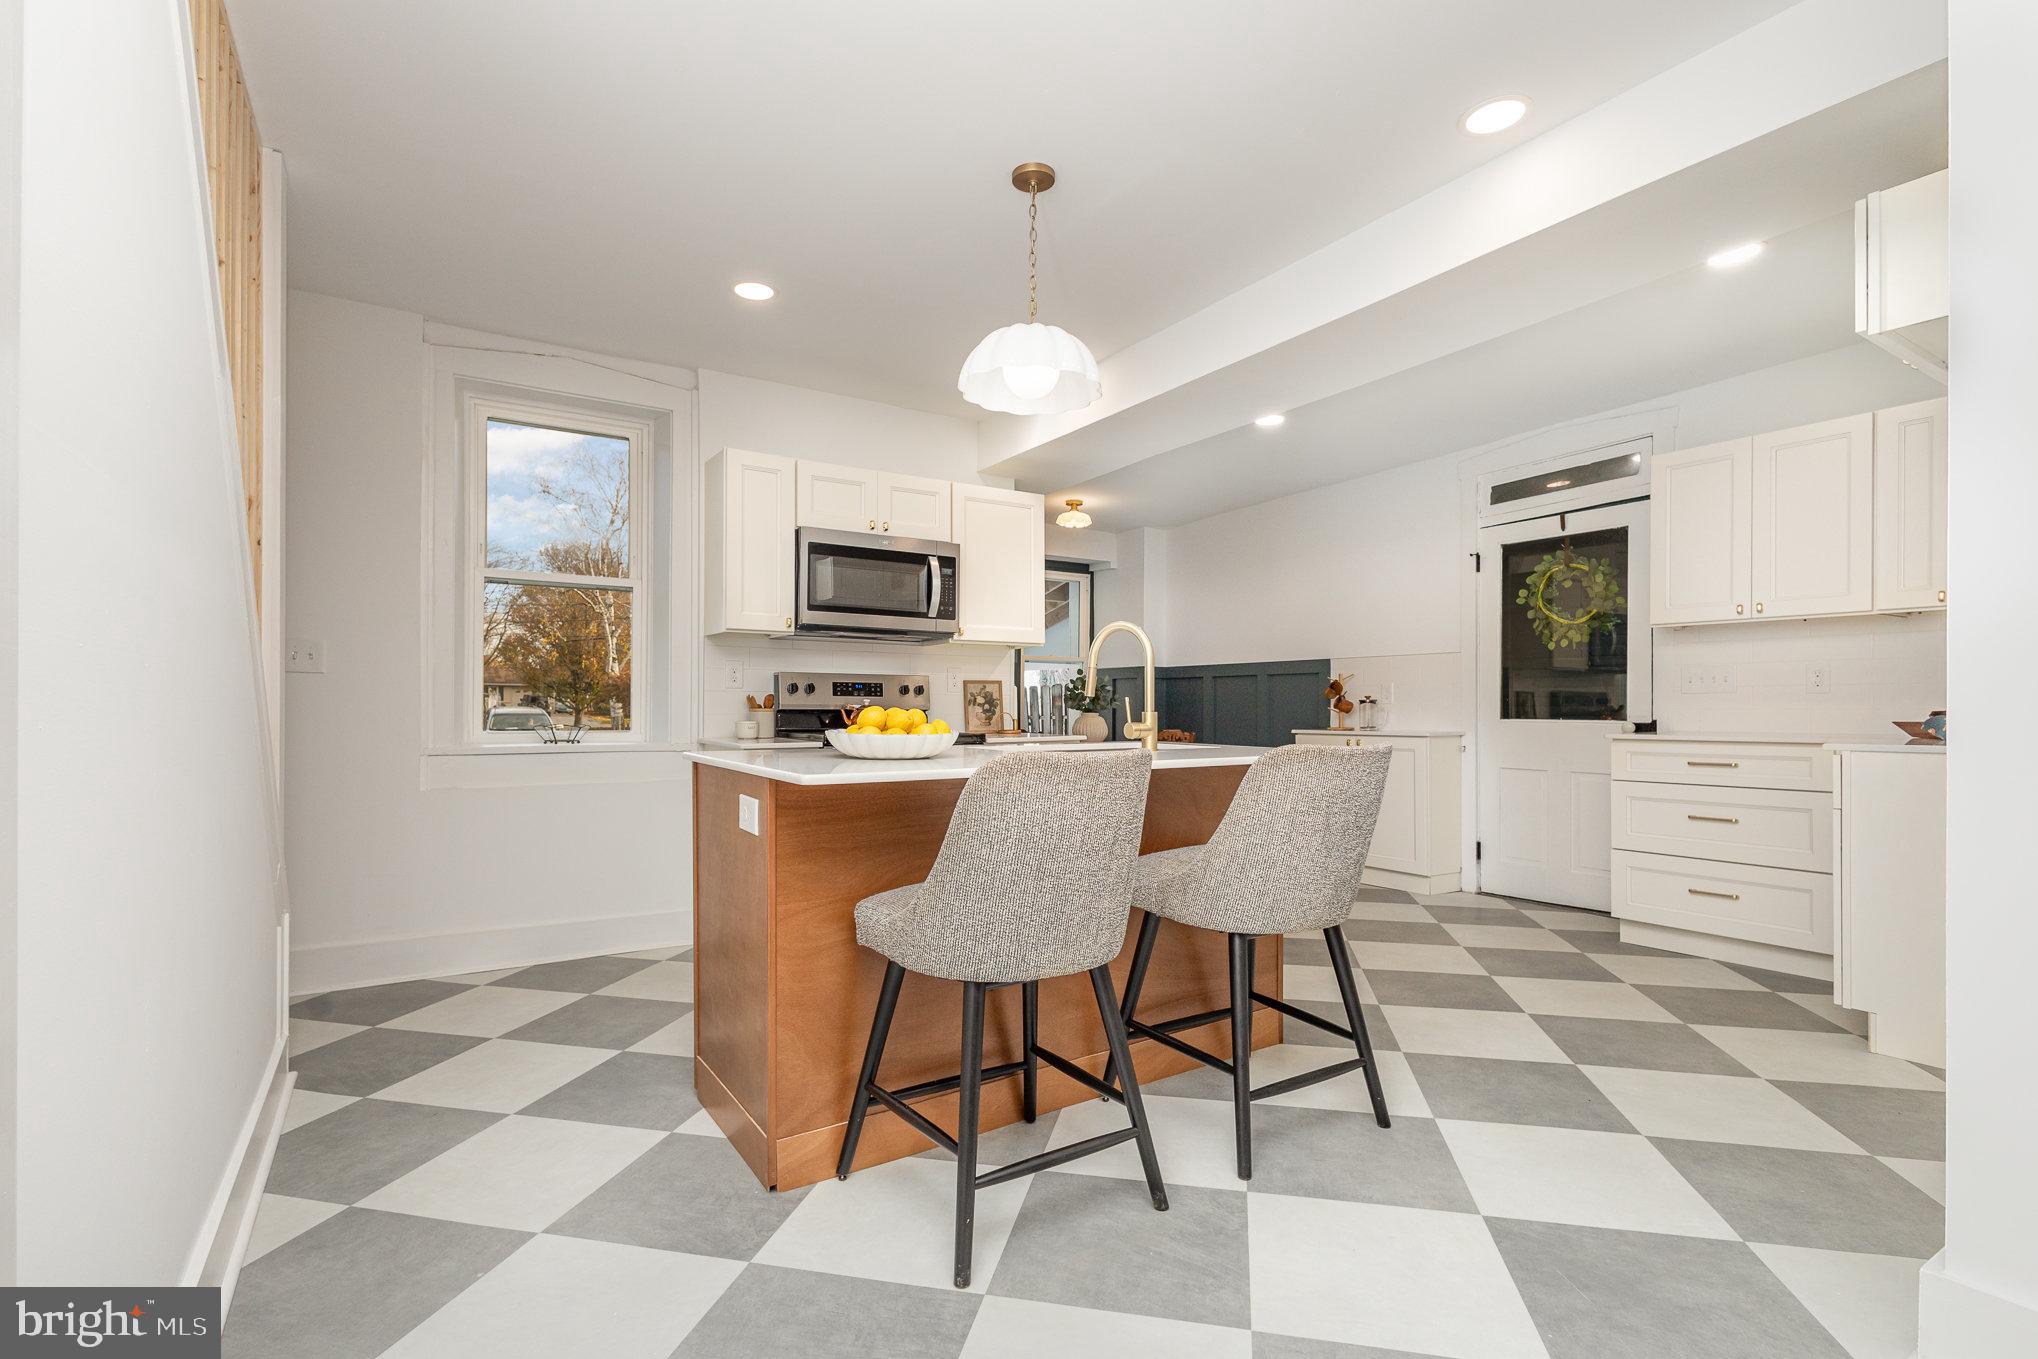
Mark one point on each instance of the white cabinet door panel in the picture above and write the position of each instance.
(1910, 506)
(1699, 520)
(913, 507)
(750, 543)
(832, 497)
(1814, 519)
(1001, 593)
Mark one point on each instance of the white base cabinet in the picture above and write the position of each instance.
(1416, 841)
(1889, 955)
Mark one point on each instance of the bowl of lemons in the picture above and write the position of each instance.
(879, 733)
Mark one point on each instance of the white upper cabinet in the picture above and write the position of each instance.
(1700, 517)
(1814, 490)
(832, 497)
(1910, 506)
(914, 507)
(1003, 540)
(749, 566)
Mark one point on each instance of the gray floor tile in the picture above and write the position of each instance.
(1906, 1123)
(1305, 951)
(352, 1152)
(1002, 1146)
(1448, 914)
(1539, 962)
(362, 1063)
(1267, 1345)
(772, 1313)
(1377, 1029)
(1784, 981)
(631, 1090)
(1086, 1241)
(688, 1193)
(374, 1004)
(1600, 941)
(356, 1284)
(1396, 932)
(1543, 1094)
(585, 975)
(602, 1022)
(1332, 1154)
(1385, 894)
(1811, 1198)
(1446, 990)
(1601, 1294)
(1736, 1009)
(1640, 1044)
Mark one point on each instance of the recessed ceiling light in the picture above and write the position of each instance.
(756, 292)
(1269, 421)
(1740, 254)
(1495, 115)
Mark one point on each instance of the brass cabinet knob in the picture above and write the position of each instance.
(888, 526)
(1739, 609)
(873, 523)
(788, 622)
(1942, 596)
(1758, 606)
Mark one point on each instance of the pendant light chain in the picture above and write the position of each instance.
(1032, 253)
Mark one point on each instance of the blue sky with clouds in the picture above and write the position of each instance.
(520, 520)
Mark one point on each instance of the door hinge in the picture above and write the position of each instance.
(1478, 850)
(1477, 565)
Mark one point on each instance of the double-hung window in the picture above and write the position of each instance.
(558, 569)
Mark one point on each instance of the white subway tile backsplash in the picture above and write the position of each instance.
(1883, 668)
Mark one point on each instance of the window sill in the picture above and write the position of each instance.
(512, 766)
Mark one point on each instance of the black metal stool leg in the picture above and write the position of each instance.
(873, 1053)
(1135, 978)
(1355, 1016)
(1121, 1053)
(1241, 1048)
(966, 1112)
(1029, 1090)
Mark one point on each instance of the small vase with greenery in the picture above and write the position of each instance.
(1091, 724)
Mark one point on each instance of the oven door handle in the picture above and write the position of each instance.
(933, 585)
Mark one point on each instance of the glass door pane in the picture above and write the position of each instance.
(1564, 628)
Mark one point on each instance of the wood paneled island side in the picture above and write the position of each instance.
(783, 994)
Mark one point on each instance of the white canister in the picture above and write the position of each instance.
(746, 730)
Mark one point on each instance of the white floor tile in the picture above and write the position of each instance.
(1840, 1058)
(1409, 1279)
(307, 1034)
(1509, 936)
(674, 1040)
(701, 1124)
(520, 1173)
(1415, 957)
(1674, 972)
(1868, 1302)
(1192, 1138)
(281, 1218)
(1308, 983)
(484, 1012)
(1465, 899)
(656, 954)
(1697, 1108)
(895, 1222)
(1586, 1179)
(558, 1296)
(1470, 1033)
(1390, 910)
(502, 1075)
(1853, 1021)
(1012, 1328)
(1347, 1092)
(305, 1105)
(660, 981)
(481, 978)
(1929, 1176)
(1583, 999)
(1575, 920)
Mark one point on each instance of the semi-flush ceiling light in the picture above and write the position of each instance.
(1740, 254)
(1270, 420)
(1495, 115)
(755, 292)
(1031, 369)
(1073, 516)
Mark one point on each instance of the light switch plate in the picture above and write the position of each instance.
(304, 656)
(746, 813)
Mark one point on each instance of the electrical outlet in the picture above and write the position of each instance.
(746, 813)
(305, 656)
(730, 676)
(1818, 679)
(954, 679)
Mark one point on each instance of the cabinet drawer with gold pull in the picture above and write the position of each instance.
(1740, 901)
(1781, 829)
(1737, 764)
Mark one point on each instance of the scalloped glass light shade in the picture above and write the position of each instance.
(1030, 369)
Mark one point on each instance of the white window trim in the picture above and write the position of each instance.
(666, 642)
(1083, 621)
(478, 408)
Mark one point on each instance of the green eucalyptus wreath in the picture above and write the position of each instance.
(1560, 573)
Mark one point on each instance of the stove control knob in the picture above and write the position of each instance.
(808, 689)
(902, 691)
(791, 687)
(919, 689)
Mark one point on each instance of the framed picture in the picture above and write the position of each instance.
(983, 705)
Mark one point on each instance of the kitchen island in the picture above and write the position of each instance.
(786, 842)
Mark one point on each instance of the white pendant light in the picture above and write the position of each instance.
(1029, 368)
(1073, 516)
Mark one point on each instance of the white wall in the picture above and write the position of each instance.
(1979, 1299)
(147, 860)
(10, 468)
(794, 422)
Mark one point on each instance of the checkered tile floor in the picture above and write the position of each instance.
(1598, 1150)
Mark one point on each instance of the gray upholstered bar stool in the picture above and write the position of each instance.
(1286, 858)
(1017, 894)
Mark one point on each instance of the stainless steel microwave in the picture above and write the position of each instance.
(874, 587)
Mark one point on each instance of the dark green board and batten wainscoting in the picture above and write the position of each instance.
(1253, 703)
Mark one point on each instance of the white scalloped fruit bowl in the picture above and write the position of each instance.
(865, 746)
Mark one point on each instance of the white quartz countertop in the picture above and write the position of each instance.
(796, 743)
(1897, 744)
(1368, 731)
(816, 766)
(1770, 738)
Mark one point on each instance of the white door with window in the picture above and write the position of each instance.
(1564, 660)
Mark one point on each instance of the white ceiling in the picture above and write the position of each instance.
(598, 174)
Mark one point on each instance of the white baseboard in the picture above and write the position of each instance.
(370, 962)
(215, 1260)
(1747, 952)
(1957, 1320)
(1426, 885)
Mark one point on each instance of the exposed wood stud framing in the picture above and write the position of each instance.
(233, 161)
